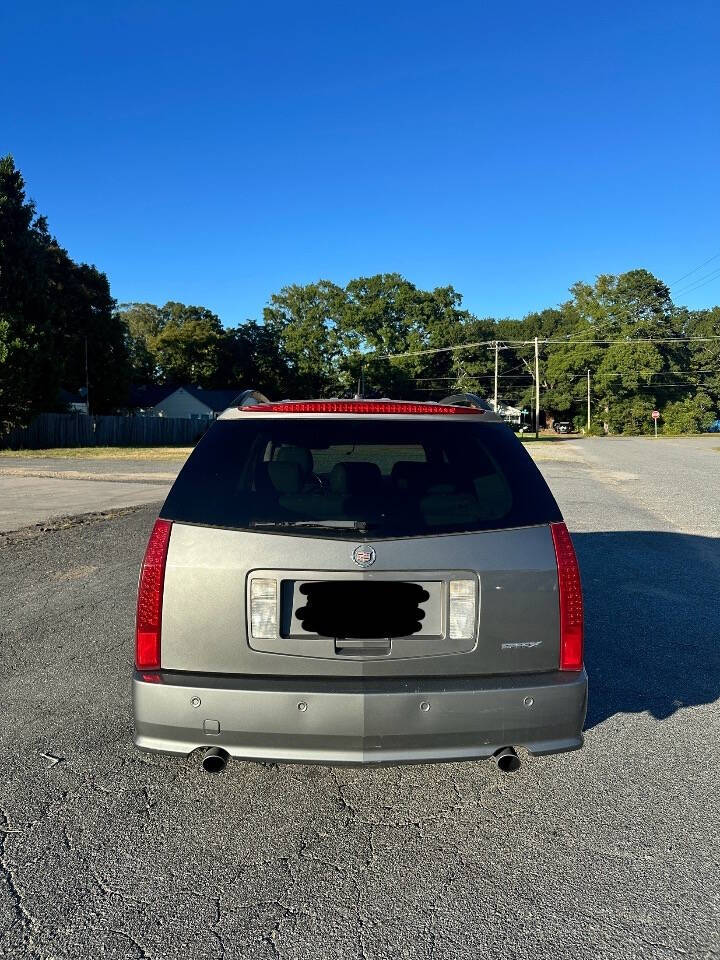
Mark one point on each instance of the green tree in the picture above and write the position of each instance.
(304, 321)
(631, 414)
(174, 343)
(4, 331)
(703, 357)
(386, 314)
(565, 378)
(23, 302)
(187, 348)
(251, 358)
(634, 303)
(628, 377)
(50, 305)
(84, 324)
(142, 322)
(689, 415)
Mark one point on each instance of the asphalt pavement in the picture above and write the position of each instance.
(608, 852)
(39, 490)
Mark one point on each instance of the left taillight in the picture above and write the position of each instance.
(150, 598)
(571, 601)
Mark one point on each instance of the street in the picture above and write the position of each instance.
(611, 851)
(39, 490)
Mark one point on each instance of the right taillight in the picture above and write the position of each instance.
(150, 597)
(462, 609)
(571, 604)
(263, 608)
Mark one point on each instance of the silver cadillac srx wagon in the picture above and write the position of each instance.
(341, 581)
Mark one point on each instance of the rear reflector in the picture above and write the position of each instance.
(571, 604)
(358, 406)
(150, 597)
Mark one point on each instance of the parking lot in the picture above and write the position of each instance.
(608, 852)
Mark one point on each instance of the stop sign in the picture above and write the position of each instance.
(656, 414)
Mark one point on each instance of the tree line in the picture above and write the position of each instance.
(324, 339)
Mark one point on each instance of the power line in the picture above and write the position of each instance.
(578, 379)
(474, 376)
(461, 346)
(525, 343)
(696, 284)
(695, 269)
(636, 340)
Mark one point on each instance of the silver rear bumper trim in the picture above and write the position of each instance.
(360, 721)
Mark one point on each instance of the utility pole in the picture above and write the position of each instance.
(87, 378)
(537, 390)
(361, 383)
(588, 415)
(496, 376)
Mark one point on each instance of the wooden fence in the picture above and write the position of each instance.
(78, 430)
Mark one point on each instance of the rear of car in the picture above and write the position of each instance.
(359, 582)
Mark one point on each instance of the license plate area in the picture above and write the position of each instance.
(364, 615)
(365, 609)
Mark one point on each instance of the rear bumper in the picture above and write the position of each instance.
(377, 721)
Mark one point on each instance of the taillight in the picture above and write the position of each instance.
(263, 608)
(150, 597)
(358, 406)
(462, 609)
(571, 604)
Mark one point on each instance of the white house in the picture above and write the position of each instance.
(185, 402)
(508, 413)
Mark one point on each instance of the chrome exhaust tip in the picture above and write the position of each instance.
(507, 760)
(215, 759)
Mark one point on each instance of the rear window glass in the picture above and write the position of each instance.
(356, 476)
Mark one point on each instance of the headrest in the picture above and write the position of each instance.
(409, 475)
(299, 455)
(279, 477)
(356, 478)
(416, 476)
(441, 478)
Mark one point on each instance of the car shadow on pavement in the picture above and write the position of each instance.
(652, 614)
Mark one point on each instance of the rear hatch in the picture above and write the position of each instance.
(340, 545)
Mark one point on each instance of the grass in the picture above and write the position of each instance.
(104, 453)
(547, 437)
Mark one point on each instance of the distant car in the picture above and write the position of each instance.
(365, 582)
(562, 426)
(714, 427)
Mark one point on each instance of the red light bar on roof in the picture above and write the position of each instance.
(357, 406)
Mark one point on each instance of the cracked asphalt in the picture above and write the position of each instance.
(608, 852)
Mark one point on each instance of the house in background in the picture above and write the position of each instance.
(509, 414)
(181, 402)
(74, 402)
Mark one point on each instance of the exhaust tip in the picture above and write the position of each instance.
(507, 760)
(215, 760)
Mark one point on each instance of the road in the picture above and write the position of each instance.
(608, 852)
(39, 490)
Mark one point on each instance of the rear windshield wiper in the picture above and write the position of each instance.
(325, 524)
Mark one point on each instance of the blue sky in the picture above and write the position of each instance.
(212, 153)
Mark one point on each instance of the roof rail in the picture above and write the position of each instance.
(249, 398)
(467, 400)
